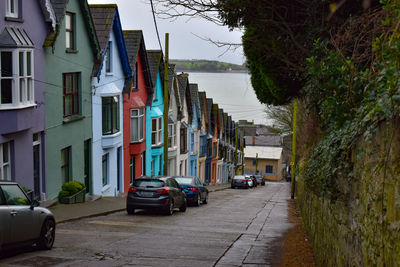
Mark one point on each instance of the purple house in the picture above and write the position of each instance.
(23, 29)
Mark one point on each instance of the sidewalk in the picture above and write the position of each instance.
(102, 206)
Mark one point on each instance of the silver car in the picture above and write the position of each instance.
(22, 221)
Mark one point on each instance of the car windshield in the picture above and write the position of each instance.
(184, 180)
(148, 183)
(239, 178)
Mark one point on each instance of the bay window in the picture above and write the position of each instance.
(110, 114)
(137, 125)
(156, 131)
(16, 78)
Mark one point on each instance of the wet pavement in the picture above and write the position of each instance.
(238, 227)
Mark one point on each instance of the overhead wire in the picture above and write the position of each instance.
(155, 23)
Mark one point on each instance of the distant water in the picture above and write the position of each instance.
(233, 92)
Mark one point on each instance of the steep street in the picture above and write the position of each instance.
(238, 227)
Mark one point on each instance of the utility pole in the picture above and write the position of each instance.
(256, 162)
(293, 162)
(166, 105)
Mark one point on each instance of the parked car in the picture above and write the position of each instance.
(22, 221)
(163, 193)
(239, 181)
(196, 192)
(260, 179)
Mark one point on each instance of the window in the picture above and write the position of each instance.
(70, 31)
(132, 169)
(65, 164)
(156, 131)
(12, 8)
(108, 57)
(137, 125)
(5, 161)
(183, 140)
(254, 162)
(110, 114)
(71, 93)
(172, 135)
(14, 195)
(104, 168)
(16, 78)
(269, 169)
(192, 142)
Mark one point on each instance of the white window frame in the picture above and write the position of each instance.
(9, 13)
(172, 135)
(22, 83)
(136, 120)
(157, 131)
(70, 31)
(3, 164)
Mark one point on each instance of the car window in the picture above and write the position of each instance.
(174, 183)
(148, 183)
(183, 180)
(2, 201)
(14, 195)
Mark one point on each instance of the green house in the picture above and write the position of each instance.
(71, 49)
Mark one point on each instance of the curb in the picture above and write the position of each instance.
(89, 216)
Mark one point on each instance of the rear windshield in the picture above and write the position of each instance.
(148, 183)
(239, 177)
(184, 180)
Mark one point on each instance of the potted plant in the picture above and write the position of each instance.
(72, 192)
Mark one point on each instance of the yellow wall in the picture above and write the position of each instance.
(262, 163)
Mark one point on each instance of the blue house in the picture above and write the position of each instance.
(194, 131)
(154, 118)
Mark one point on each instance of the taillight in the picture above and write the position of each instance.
(244, 180)
(192, 188)
(162, 191)
(132, 189)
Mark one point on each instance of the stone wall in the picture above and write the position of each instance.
(363, 230)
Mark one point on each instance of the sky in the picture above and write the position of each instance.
(183, 42)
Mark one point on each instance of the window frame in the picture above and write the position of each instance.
(108, 58)
(110, 105)
(70, 32)
(183, 140)
(172, 138)
(4, 164)
(75, 93)
(157, 132)
(140, 122)
(269, 167)
(14, 14)
(66, 165)
(21, 79)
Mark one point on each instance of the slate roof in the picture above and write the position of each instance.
(103, 19)
(184, 92)
(194, 89)
(15, 37)
(173, 83)
(202, 100)
(155, 65)
(59, 8)
(264, 140)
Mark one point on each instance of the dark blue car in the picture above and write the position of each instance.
(196, 192)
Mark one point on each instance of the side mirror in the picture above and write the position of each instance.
(34, 204)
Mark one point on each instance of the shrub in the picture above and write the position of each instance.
(70, 188)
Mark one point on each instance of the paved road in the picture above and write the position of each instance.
(238, 227)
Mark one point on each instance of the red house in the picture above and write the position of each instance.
(136, 98)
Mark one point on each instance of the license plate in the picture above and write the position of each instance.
(147, 194)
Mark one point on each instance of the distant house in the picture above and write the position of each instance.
(265, 160)
(111, 74)
(203, 137)
(194, 133)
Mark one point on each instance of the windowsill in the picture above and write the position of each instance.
(109, 74)
(16, 107)
(73, 118)
(156, 146)
(111, 135)
(13, 19)
(71, 51)
(105, 188)
(137, 142)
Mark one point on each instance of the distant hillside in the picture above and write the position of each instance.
(206, 66)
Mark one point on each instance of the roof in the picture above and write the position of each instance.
(264, 140)
(194, 89)
(264, 152)
(15, 37)
(134, 42)
(106, 19)
(155, 65)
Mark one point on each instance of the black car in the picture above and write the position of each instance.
(163, 193)
(239, 181)
(260, 179)
(196, 192)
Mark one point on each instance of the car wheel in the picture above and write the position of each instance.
(130, 210)
(184, 206)
(47, 235)
(170, 208)
(198, 202)
(205, 201)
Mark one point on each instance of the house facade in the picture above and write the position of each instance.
(194, 135)
(203, 137)
(154, 119)
(71, 48)
(264, 160)
(174, 114)
(107, 101)
(137, 98)
(23, 29)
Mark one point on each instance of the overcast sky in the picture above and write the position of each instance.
(183, 44)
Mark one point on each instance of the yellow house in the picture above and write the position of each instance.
(265, 160)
